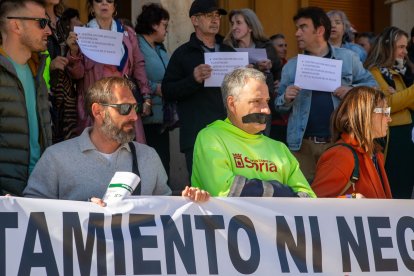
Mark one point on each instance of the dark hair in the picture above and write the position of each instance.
(69, 13)
(277, 36)
(370, 35)
(410, 46)
(151, 14)
(126, 22)
(64, 21)
(318, 17)
(6, 6)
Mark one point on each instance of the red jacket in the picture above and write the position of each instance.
(335, 167)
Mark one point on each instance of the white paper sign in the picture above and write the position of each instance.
(255, 54)
(102, 46)
(122, 184)
(316, 73)
(223, 63)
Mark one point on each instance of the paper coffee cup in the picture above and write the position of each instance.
(122, 184)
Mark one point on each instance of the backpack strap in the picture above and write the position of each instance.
(355, 172)
(135, 169)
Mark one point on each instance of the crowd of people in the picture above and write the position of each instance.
(68, 122)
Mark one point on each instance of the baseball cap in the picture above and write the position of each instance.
(205, 6)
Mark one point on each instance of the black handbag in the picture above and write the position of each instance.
(136, 91)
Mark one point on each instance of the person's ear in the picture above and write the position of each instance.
(194, 20)
(15, 26)
(321, 31)
(231, 106)
(98, 111)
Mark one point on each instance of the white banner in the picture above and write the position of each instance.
(225, 236)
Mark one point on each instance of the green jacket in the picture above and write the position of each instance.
(222, 151)
(14, 128)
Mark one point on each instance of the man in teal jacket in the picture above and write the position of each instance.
(233, 158)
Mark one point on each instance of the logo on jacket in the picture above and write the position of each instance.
(256, 164)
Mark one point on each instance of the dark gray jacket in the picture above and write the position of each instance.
(14, 126)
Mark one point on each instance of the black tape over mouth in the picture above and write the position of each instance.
(261, 118)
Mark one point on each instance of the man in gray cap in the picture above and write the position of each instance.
(183, 82)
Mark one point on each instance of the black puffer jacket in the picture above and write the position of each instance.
(14, 126)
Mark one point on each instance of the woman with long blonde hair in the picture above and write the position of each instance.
(360, 119)
(386, 62)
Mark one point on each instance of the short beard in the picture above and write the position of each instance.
(111, 131)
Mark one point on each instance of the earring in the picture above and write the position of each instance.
(92, 13)
(115, 14)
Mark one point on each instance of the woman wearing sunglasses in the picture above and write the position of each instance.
(386, 61)
(88, 71)
(354, 166)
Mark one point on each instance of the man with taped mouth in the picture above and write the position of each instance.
(233, 158)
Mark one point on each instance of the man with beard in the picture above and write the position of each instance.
(82, 167)
(25, 129)
(233, 158)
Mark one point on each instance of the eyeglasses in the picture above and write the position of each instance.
(123, 109)
(43, 22)
(281, 45)
(107, 1)
(210, 15)
(383, 110)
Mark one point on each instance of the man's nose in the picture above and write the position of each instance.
(48, 31)
(265, 109)
(133, 115)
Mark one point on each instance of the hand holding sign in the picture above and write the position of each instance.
(72, 44)
(317, 73)
(222, 64)
(202, 72)
(100, 45)
(291, 93)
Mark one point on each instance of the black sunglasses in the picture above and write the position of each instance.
(107, 1)
(123, 109)
(43, 22)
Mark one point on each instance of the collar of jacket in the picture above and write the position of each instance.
(196, 43)
(35, 61)
(331, 52)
